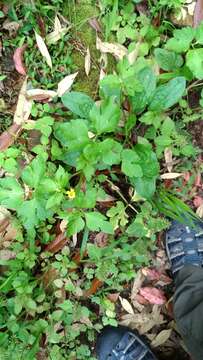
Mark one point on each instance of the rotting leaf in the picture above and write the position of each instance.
(87, 62)
(18, 60)
(43, 49)
(153, 295)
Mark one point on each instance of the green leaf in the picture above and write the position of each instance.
(62, 177)
(34, 172)
(54, 200)
(168, 94)
(168, 127)
(131, 163)
(151, 118)
(44, 125)
(75, 224)
(11, 193)
(168, 60)
(80, 104)
(105, 118)
(32, 212)
(147, 79)
(137, 229)
(199, 34)
(144, 186)
(95, 221)
(148, 160)
(73, 134)
(194, 62)
(111, 151)
(182, 40)
(111, 86)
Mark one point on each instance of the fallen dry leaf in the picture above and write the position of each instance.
(65, 84)
(23, 107)
(43, 49)
(199, 211)
(117, 50)
(132, 57)
(40, 94)
(137, 284)
(11, 26)
(153, 295)
(57, 244)
(8, 137)
(170, 176)
(101, 239)
(126, 305)
(161, 338)
(87, 62)
(197, 201)
(198, 13)
(96, 284)
(168, 159)
(7, 255)
(18, 60)
(113, 297)
(57, 33)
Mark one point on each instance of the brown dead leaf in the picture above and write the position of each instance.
(161, 338)
(43, 49)
(168, 159)
(96, 284)
(126, 305)
(95, 24)
(87, 62)
(18, 60)
(113, 297)
(65, 84)
(8, 137)
(101, 239)
(7, 255)
(11, 26)
(137, 284)
(117, 50)
(40, 94)
(57, 244)
(198, 13)
(170, 176)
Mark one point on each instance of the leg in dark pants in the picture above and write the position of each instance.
(188, 308)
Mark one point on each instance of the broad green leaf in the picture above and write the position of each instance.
(54, 200)
(168, 94)
(181, 40)
(195, 63)
(32, 212)
(73, 134)
(111, 86)
(11, 193)
(144, 186)
(33, 173)
(95, 221)
(105, 118)
(75, 224)
(137, 229)
(111, 151)
(168, 60)
(80, 104)
(151, 118)
(44, 125)
(62, 177)
(147, 79)
(199, 34)
(167, 127)
(131, 163)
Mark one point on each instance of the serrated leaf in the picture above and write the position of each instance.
(73, 134)
(34, 172)
(105, 118)
(131, 163)
(43, 49)
(95, 221)
(11, 193)
(194, 62)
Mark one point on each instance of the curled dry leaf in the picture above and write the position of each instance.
(40, 94)
(87, 62)
(153, 295)
(170, 176)
(65, 84)
(18, 60)
(161, 338)
(126, 305)
(57, 33)
(57, 244)
(117, 50)
(168, 159)
(8, 137)
(43, 49)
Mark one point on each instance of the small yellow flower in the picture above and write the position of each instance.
(71, 194)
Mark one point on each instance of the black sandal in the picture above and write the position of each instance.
(122, 344)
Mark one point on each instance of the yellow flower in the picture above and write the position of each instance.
(71, 193)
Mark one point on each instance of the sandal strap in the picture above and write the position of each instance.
(131, 347)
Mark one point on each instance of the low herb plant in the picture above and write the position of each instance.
(95, 172)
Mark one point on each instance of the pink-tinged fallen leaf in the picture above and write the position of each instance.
(198, 180)
(40, 94)
(197, 201)
(95, 24)
(199, 211)
(198, 13)
(151, 274)
(18, 60)
(153, 295)
(141, 300)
